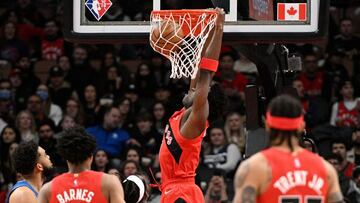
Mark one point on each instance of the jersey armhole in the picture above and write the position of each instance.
(183, 141)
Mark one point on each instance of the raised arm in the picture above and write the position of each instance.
(196, 122)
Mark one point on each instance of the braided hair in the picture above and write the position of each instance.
(288, 107)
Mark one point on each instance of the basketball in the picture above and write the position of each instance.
(166, 36)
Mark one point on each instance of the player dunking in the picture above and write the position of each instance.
(80, 184)
(285, 172)
(180, 148)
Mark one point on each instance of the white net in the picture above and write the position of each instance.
(180, 36)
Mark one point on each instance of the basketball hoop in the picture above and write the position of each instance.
(183, 44)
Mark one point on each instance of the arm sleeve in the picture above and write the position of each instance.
(232, 159)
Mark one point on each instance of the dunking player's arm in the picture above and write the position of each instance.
(111, 188)
(195, 124)
(254, 176)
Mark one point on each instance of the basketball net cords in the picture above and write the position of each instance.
(185, 56)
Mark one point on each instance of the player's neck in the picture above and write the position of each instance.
(284, 146)
(78, 168)
(35, 181)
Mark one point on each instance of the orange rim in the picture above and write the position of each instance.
(193, 12)
(192, 17)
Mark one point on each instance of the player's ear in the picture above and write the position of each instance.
(39, 167)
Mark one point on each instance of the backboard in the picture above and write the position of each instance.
(247, 21)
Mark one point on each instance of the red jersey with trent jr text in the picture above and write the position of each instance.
(179, 157)
(300, 178)
(77, 188)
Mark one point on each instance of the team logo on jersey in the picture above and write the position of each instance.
(75, 183)
(168, 138)
(98, 7)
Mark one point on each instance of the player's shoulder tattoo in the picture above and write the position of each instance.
(248, 195)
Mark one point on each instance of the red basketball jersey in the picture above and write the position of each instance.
(301, 178)
(77, 188)
(347, 117)
(179, 157)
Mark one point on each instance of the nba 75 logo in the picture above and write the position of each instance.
(98, 7)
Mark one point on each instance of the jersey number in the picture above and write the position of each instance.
(297, 199)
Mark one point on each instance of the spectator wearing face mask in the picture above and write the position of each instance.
(5, 104)
(52, 111)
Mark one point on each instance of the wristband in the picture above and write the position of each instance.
(209, 64)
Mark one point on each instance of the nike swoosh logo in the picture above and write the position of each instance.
(167, 192)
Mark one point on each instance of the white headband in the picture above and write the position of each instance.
(139, 183)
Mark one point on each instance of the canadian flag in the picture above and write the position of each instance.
(291, 11)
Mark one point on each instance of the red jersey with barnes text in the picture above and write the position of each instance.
(300, 178)
(77, 188)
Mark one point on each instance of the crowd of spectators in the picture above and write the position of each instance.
(126, 109)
